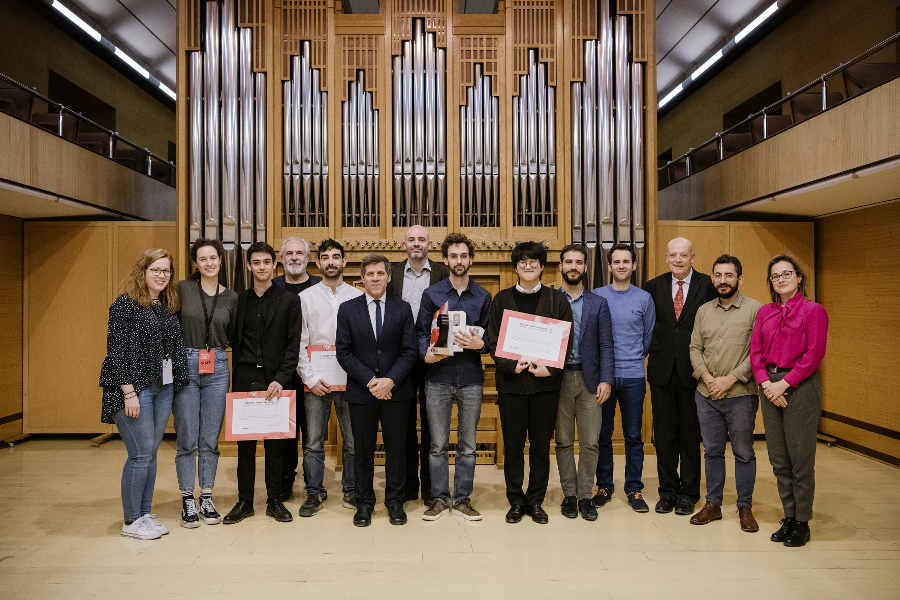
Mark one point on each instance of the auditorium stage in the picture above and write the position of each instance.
(61, 517)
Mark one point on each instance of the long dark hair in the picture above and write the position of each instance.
(195, 247)
(799, 272)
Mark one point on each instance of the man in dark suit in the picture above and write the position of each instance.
(409, 279)
(676, 433)
(265, 341)
(376, 346)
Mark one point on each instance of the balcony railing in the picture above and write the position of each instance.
(815, 97)
(18, 100)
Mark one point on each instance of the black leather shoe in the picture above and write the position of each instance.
(363, 515)
(537, 514)
(515, 513)
(276, 510)
(665, 505)
(396, 514)
(428, 499)
(587, 509)
(784, 531)
(602, 497)
(569, 507)
(798, 536)
(239, 512)
(684, 506)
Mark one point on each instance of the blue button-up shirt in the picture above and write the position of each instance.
(577, 305)
(463, 368)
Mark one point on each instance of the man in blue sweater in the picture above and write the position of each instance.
(633, 317)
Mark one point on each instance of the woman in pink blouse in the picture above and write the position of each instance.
(786, 349)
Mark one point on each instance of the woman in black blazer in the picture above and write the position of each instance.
(145, 363)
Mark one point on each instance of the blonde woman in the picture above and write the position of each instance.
(145, 363)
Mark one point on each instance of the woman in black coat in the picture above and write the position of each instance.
(145, 364)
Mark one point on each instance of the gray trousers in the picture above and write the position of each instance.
(791, 441)
(578, 405)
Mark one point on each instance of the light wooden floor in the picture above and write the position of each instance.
(61, 513)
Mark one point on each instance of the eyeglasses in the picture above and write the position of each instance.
(726, 276)
(776, 277)
(529, 264)
(160, 272)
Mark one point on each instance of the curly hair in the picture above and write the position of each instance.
(135, 284)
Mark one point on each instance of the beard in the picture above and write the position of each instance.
(579, 277)
(333, 272)
(460, 270)
(726, 291)
(294, 269)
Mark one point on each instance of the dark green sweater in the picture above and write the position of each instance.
(550, 303)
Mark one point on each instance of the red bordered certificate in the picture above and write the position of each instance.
(324, 362)
(248, 416)
(541, 340)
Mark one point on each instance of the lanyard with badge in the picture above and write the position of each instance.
(161, 316)
(206, 362)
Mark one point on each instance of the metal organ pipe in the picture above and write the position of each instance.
(361, 172)
(229, 125)
(196, 129)
(479, 175)
(419, 130)
(637, 164)
(260, 116)
(211, 122)
(623, 132)
(246, 162)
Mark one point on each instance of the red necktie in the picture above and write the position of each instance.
(679, 299)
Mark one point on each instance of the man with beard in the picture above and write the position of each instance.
(457, 378)
(294, 256)
(409, 278)
(676, 297)
(586, 385)
(726, 391)
(319, 324)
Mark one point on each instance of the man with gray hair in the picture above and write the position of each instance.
(294, 256)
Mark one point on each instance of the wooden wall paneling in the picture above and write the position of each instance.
(710, 239)
(857, 255)
(651, 202)
(65, 313)
(274, 137)
(131, 238)
(756, 243)
(188, 37)
(640, 38)
(256, 15)
(11, 360)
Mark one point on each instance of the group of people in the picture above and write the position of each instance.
(713, 356)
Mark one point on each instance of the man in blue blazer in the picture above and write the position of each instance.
(586, 385)
(376, 346)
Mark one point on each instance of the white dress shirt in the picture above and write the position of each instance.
(319, 306)
(534, 290)
(687, 284)
(370, 304)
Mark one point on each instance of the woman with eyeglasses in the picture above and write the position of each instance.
(206, 311)
(145, 363)
(786, 349)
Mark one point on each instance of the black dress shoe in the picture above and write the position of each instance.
(665, 505)
(239, 512)
(587, 509)
(396, 514)
(276, 510)
(784, 531)
(363, 515)
(798, 536)
(569, 507)
(515, 513)
(537, 514)
(684, 506)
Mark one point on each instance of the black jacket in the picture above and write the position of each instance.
(670, 344)
(395, 286)
(392, 356)
(280, 340)
(551, 304)
(137, 340)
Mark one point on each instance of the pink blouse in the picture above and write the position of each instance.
(790, 336)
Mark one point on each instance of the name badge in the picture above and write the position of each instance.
(206, 361)
(167, 371)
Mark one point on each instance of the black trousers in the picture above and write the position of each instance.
(533, 415)
(418, 474)
(251, 379)
(291, 446)
(364, 419)
(676, 435)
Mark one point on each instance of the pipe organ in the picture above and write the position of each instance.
(539, 113)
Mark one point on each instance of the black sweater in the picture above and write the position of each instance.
(550, 303)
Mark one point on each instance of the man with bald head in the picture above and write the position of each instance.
(676, 433)
(409, 278)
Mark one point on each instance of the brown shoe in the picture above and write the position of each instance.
(748, 523)
(707, 514)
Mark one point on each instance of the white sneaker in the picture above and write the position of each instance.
(155, 522)
(141, 529)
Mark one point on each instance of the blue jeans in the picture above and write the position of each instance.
(440, 398)
(199, 409)
(629, 393)
(142, 436)
(318, 410)
(721, 420)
